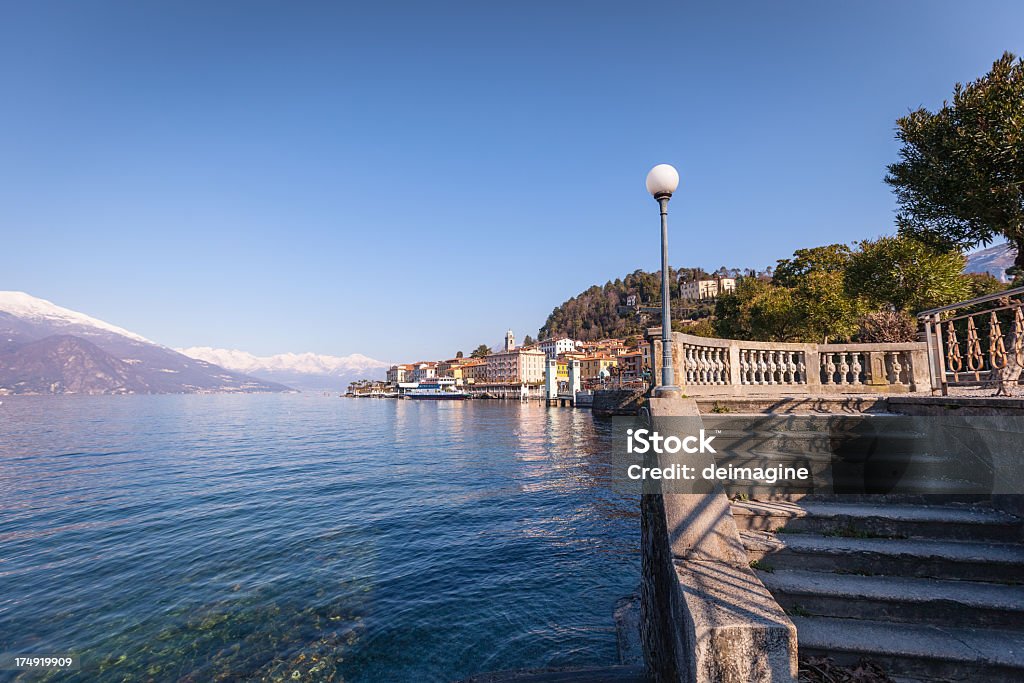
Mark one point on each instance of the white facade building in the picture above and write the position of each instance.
(701, 290)
(424, 371)
(552, 348)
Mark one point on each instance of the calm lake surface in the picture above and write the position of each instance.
(204, 538)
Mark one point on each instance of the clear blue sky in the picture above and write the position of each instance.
(407, 180)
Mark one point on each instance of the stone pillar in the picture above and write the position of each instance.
(734, 365)
(575, 381)
(920, 371)
(876, 361)
(551, 379)
(812, 360)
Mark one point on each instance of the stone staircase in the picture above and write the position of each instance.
(931, 592)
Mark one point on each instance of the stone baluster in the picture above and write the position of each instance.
(855, 368)
(791, 367)
(896, 368)
(762, 368)
(844, 368)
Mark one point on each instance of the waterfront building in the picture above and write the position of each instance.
(591, 366)
(703, 290)
(399, 373)
(517, 365)
(474, 370)
(450, 368)
(553, 347)
(424, 371)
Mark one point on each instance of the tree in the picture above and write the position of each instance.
(528, 341)
(481, 351)
(982, 284)
(906, 274)
(825, 309)
(832, 258)
(960, 178)
(458, 354)
(757, 310)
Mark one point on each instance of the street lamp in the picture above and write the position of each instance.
(662, 181)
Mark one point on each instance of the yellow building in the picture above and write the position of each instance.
(474, 370)
(591, 366)
(562, 371)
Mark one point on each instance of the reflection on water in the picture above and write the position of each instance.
(308, 538)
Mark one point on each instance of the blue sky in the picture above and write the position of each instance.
(408, 180)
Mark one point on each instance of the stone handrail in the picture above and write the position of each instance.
(706, 366)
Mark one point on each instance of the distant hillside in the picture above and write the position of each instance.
(593, 314)
(62, 364)
(47, 349)
(994, 261)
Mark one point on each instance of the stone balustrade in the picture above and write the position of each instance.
(709, 367)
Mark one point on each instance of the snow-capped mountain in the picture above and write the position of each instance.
(48, 349)
(301, 370)
(994, 260)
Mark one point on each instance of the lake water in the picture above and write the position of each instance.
(305, 537)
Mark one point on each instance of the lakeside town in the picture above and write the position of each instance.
(521, 371)
(556, 366)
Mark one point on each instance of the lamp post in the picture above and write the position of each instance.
(662, 181)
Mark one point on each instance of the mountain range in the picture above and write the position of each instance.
(47, 349)
(994, 261)
(308, 371)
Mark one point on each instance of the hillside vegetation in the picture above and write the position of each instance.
(593, 314)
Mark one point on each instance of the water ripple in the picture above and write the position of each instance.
(196, 538)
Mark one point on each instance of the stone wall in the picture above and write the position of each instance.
(705, 616)
(618, 401)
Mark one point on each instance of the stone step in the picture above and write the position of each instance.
(916, 652)
(891, 520)
(897, 599)
(942, 559)
(979, 500)
(862, 487)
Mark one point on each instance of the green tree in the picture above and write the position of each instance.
(528, 341)
(481, 351)
(960, 178)
(906, 274)
(825, 309)
(981, 284)
(458, 354)
(832, 258)
(757, 310)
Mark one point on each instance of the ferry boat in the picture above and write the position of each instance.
(439, 389)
